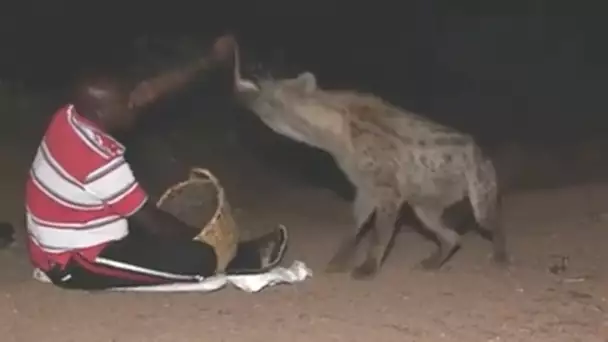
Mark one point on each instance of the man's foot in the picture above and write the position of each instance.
(272, 253)
(261, 254)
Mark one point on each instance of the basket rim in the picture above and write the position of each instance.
(220, 195)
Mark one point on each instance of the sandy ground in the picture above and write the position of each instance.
(469, 300)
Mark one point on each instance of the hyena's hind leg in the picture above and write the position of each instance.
(363, 212)
(449, 240)
(486, 210)
(384, 228)
(486, 203)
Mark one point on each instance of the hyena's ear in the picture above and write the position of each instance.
(307, 82)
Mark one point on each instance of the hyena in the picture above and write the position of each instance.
(390, 155)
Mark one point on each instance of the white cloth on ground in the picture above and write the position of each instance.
(297, 272)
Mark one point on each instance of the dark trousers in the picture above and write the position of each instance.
(139, 260)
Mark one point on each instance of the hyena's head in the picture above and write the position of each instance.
(288, 105)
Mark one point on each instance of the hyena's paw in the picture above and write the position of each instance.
(433, 262)
(366, 271)
(439, 257)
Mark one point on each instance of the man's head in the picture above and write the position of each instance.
(104, 99)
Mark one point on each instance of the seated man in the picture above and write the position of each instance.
(90, 223)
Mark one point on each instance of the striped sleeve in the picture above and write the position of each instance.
(114, 184)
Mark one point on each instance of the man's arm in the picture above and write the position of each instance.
(150, 90)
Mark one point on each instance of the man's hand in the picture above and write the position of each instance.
(223, 49)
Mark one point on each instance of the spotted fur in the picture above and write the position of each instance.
(390, 155)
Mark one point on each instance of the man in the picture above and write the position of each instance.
(90, 224)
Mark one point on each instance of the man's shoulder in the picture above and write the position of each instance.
(77, 147)
(71, 131)
(99, 141)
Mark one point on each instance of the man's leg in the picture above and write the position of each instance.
(139, 261)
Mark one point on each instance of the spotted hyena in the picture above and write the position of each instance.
(390, 155)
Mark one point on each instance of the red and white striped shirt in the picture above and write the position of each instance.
(79, 192)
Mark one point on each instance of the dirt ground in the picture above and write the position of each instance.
(469, 300)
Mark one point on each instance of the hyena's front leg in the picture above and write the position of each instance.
(387, 213)
(363, 209)
(449, 240)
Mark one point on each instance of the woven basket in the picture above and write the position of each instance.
(200, 201)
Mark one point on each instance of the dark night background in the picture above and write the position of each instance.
(527, 78)
(531, 72)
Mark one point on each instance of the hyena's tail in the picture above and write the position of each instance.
(486, 200)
